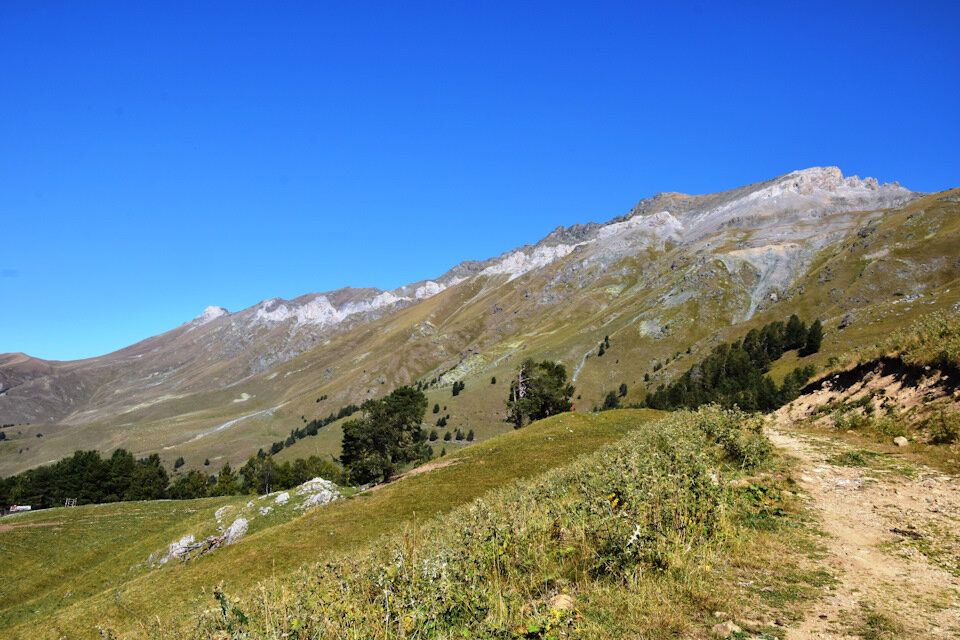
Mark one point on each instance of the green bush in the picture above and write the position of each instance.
(944, 427)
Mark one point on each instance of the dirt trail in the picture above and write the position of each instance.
(893, 542)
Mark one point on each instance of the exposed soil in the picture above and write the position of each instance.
(893, 542)
(10, 527)
(904, 385)
(430, 466)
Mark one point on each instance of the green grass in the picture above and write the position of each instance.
(932, 339)
(643, 538)
(852, 458)
(62, 556)
(125, 600)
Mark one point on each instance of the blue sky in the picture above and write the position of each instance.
(156, 158)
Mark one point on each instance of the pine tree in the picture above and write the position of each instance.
(814, 338)
(470, 436)
(795, 333)
(226, 482)
(539, 390)
(389, 434)
(611, 401)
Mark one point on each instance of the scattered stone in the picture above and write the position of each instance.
(725, 629)
(265, 510)
(720, 614)
(282, 498)
(222, 511)
(236, 531)
(320, 492)
(900, 441)
(175, 551)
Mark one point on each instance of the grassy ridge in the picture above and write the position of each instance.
(134, 600)
(622, 541)
(933, 340)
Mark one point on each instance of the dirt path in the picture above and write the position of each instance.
(893, 541)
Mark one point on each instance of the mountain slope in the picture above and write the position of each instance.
(676, 270)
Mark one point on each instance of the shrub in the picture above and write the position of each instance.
(944, 428)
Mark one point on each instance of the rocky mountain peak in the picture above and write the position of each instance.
(210, 314)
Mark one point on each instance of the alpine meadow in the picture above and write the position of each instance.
(728, 413)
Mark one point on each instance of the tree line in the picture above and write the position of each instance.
(311, 428)
(735, 373)
(93, 479)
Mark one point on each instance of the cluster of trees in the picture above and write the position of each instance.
(539, 390)
(89, 478)
(92, 479)
(458, 387)
(734, 373)
(262, 474)
(387, 436)
(311, 428)
(604, 345)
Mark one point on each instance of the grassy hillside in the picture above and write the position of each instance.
(125, 598)
(647, 537)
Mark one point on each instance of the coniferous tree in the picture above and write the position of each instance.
(795, 333)
(814, 338)
(226, 482)
(539, 390)
(611, 401)
(388, 435)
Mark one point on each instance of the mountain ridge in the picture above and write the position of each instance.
(675, 269)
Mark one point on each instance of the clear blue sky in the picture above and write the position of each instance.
(156, 158)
